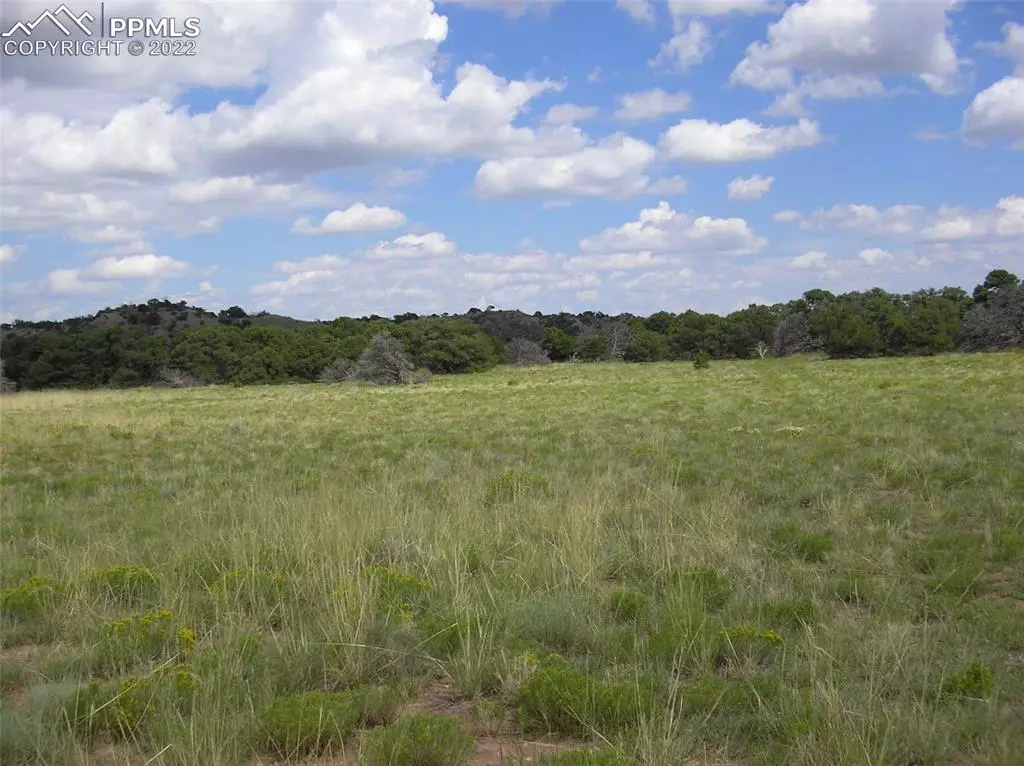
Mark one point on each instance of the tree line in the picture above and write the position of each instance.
(161, 342)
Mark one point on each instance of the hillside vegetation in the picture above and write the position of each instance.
(171, 343)
(781, 561)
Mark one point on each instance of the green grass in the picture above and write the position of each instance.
(774, 562)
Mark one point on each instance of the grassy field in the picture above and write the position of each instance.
(768, 562)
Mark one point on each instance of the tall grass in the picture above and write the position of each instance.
(811, 555)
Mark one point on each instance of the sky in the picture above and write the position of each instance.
(324, 159)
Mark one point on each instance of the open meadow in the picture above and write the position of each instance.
(788, 561)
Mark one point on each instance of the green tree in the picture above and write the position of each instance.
(558, 343)
(996, 281)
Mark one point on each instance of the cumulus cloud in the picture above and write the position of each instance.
(846, 47)
(687, 48)
(357, 218)
(814, 259)
(664, 230)
(70, 282)
(997, 112)
(650, 104)
(615, 166)
(736, 141)
(874, 255)
(640, 10)
(137, 267)
(567, 114)
(102, 143)
(751, 188)
(944, 224)
(681, 8)
(410, 246)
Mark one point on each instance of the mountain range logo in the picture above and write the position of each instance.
(62, 18)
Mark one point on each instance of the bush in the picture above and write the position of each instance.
(35, 597)
(422, 740)
(124, 584)
(525, 353)
(384, 362)
(317, 721)
(702, 360)
(566, 701)
(338, 371)
(974, 682)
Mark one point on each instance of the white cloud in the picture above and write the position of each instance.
(945, 224)
(997, 112)
(736, 141)
(1011, 46)
(318, 263)
(663, 230)
(815, 259)
(399, 177)
(567, 114)
(613, 167)
(651, 104)
(9, 253)
(410, 246)
(680, 8)
(874, 255)
(863, 39)
(299, 283)
(102, 144)
(640, 10)
(355, 219)
(70, 282)
(751, 188)
(687, 48)
(137, 267)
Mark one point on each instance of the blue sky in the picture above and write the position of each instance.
(344, 158)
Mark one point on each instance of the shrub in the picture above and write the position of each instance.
(384, 362)
(566, 701)
(702, 361)
(396, 593)
(338, 371)
(317, 721)
(126, 585)
(34, 598)
(143, 637)
(422, 740)
(974, 682)
(736, 644)
(627, 605)
(524, 353)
